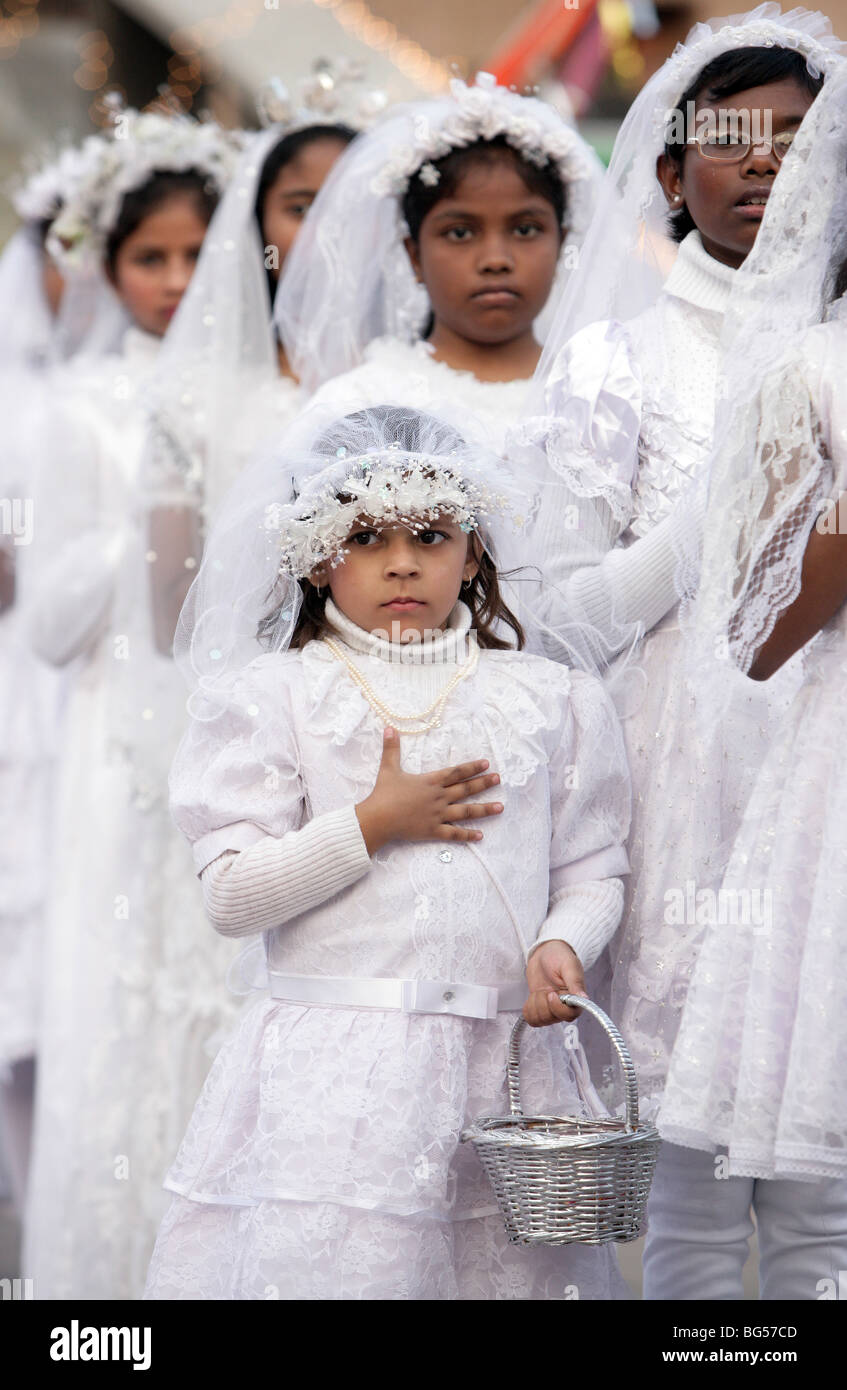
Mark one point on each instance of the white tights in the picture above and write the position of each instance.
(699, 1227)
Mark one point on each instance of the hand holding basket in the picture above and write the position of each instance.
(562, 1179)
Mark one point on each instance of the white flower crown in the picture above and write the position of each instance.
(385, 485)
(108, 167)
(45, 190)
(484, 112)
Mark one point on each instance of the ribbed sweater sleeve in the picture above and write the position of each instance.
(276, 880)
(586, 916)
(624, 587)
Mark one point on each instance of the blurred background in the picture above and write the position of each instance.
(58, 58)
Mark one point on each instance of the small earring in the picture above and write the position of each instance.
(677, 198)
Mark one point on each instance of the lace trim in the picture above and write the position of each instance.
(511, 713)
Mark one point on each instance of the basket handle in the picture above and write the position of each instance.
(576, 1001)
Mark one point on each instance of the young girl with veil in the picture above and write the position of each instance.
(42, 325)
(222, 382)
(755, 1090)
(408, 807)
(432, 250)
(126, 1009)
(621, 427)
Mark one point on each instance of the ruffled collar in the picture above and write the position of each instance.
(698, 278)
(448, 647)
(421, 354)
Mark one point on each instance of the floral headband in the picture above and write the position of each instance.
(42, 194)
(108, 167)
(387, 486)
(484, 112)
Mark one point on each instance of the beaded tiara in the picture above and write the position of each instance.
(388, 486)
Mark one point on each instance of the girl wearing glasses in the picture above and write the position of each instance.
(622, 428)
(756, 1081)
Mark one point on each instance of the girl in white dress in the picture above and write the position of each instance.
(44, 322)
(624, 419)
(127, 1007)
(625, 408)
(332, 788)
(222, 382)
(431, 251)
(755, 1085)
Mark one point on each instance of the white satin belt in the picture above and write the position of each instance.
(408, 996)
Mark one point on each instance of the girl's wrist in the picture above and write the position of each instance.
(372, 826)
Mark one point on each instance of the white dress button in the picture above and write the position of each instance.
(446, 856)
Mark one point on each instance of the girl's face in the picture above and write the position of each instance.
(154, 264)
(727, 201)
(292, 193)
(399, 582)
(487, 255)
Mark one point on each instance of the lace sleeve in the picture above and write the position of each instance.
(779, 502)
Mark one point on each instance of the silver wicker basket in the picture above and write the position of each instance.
(564, 1179)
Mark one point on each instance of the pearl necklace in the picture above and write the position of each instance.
(429, 718)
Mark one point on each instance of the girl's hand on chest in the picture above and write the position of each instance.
(424, 806)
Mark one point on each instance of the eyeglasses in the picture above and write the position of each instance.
(728, 147)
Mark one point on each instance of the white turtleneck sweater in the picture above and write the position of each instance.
(258, 882)
(628, 426)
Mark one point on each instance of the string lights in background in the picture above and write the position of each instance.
(383, 37)
(194, 61)
(18, 21)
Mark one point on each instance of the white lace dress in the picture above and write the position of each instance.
(323, 1158)
(133, 991)
(761, 1054)
(634, 412)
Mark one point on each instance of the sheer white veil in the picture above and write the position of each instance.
(219, 346)
(89, 318)
(246, 598)
(97, 176)
(628, 250)
(349, 279)
(769, 471)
